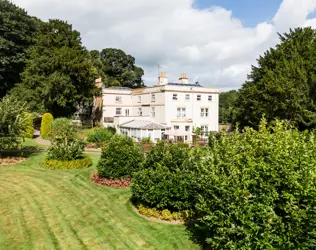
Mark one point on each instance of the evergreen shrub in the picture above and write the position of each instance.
(27, 125)
(120, 158)
(46, 126)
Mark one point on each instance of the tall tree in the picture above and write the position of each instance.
(120, 69)
(283, 85)
(17, 30)
(227, 106)
(59, 75)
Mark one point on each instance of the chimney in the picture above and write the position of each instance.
(183, 78)
(162, 79)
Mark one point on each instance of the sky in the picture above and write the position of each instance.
(214, 42)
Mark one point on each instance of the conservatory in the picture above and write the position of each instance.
(144, 129)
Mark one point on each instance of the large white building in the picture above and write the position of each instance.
(166, 110)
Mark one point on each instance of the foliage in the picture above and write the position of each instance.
(227, 109)
(163, 214)
(27, 125)
(112, 130)
(46, 126)
(66, 150)
(258, 190)
(12, 119)
(169, 178)
(120, 159)
(59, 75)
(283, 85)
(99, 136)
(69, 164)
(119, 68)
(17, 30)
(63, 129)
(146, 140)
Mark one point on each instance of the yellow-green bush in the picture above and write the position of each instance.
(163, 214)
(27, 126)
(46, 126)
(73, 164)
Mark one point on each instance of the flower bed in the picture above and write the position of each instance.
(10, 160)
(110, 182)
(73, 164)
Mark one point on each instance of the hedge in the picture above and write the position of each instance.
(46, 126)
(120, 158)
(73, 164)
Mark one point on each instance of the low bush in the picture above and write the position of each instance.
(46, 126)
(163, 214)
(258, 190)
(66, 150)
(99, 136)
(120, 158)
(27, 125)
(72, 164)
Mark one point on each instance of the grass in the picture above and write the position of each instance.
(55, 209)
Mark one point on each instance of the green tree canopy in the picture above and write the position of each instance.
(17, 30)
(119, 68)
(227, 106)
(283, 84)
(59, 75)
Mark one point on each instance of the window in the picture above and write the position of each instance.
(187, 128)
(118, 111)
(153, 113)
(139, 99)
(204, 112)
(186, 138)
(153, 97)
(126, 112)
(181, 112)
(210, 98)
(140, 112)
(176, 127)
(198, 97)
(204, 130)
(187, 97)
(118, 99)
(175, 97)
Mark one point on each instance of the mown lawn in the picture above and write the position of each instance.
(53, 209)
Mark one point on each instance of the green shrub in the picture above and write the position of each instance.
(27, 125)
(120, 158)
(146, 140)
(164, 214)
(99, 136)
(169, 178)
(64, 150)
(62, 128)
(112, 130)
(259, 190)
(46, 126)
(72, 164)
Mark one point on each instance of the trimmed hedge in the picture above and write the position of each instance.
(73, 164)
(27, 126)
(46, 126)
(120, 158)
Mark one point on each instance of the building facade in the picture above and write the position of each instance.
(166, 110)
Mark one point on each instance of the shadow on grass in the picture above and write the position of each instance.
(198, 234)
(18, 153)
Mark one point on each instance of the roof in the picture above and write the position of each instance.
(118, 87)
(143, 125)
(185, 84)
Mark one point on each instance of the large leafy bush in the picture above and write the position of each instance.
(66, 150)
(259, 190)
(169, 179)
(11, 122)
(62, 129)
(120, 158)
(46, 126)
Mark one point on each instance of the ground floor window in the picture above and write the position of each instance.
(204, 130)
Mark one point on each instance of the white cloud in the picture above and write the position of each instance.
(210, 45)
